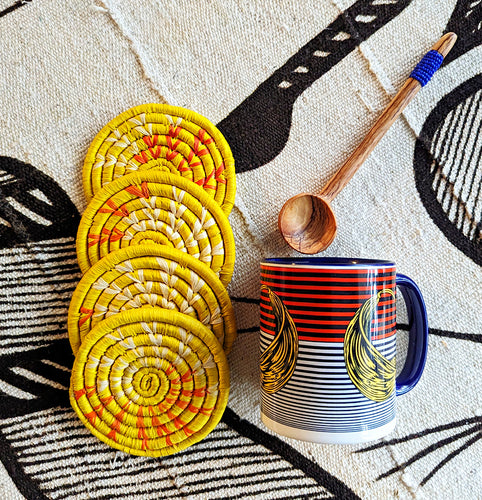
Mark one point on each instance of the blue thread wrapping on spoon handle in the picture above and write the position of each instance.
(428, 65)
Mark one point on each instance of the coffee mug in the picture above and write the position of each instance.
(328, 344)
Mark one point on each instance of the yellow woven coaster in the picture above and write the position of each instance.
(164, 137)
(156, 207)
(149, 276)
(150, 382)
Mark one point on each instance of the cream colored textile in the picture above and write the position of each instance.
(67, 68)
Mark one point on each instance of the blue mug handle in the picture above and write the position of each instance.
(418, 335)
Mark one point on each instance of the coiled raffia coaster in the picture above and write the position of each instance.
(156, 207)
(145, 276)
(163, 137)
(150, 381)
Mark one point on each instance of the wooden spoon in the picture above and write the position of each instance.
(307, 221)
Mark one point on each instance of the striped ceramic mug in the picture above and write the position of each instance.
(328, 335)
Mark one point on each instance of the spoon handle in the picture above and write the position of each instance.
(408, 91)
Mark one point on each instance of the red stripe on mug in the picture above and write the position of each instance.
(314, 321)
(384, 318)
(338, 338)
(303, 286)
(384, 336)
(327, 313)
(335, 335)
(341, 305)
(347, 305)
(334, 279)
(317, 270)
(357, 296)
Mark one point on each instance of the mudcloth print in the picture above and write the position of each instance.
(465, 21)
(35, 380)
(33, 207)
(468, 431)
(447, 157)
(449, 149)
(371, 372)
(298, 461)
(258, 129)
(14, 7)
(278, 360)
(38, 469)
(39, 222)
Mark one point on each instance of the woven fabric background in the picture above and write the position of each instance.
(294, 86)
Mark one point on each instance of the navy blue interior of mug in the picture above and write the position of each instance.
(328, 261)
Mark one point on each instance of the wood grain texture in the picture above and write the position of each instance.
(343, 176)
(408, 91)
(307, 223)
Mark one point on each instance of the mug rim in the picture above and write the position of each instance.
(326, 262)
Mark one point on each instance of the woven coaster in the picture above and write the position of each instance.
(150, 382)
(146, 276)
(156, 207)
(163, 137)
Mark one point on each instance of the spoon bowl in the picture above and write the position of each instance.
(307, 223)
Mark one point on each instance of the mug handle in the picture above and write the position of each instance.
(418, 335)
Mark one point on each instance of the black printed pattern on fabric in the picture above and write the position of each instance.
(64, 460)
(467, 431)
(466, 22)
(258, 129)
(45, 444)
(472, 337)
(448, 151)
(457, 430)
(14, 7)
(279, 447)
(32, 206)
(447, 160)
(45, 448)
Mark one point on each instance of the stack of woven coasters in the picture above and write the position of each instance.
(150, 322)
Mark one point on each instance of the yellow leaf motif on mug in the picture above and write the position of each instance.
(369, 370)
(278, 361)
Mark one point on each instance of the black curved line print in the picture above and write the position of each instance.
(14, 6)
(447, 160)
(33, 207)
(258, 129)
(24, 483)
(276, 445)
(470, 428)
(52, 363)
(48, 363)
(472, 337)
(362, 357)
(466, 22)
